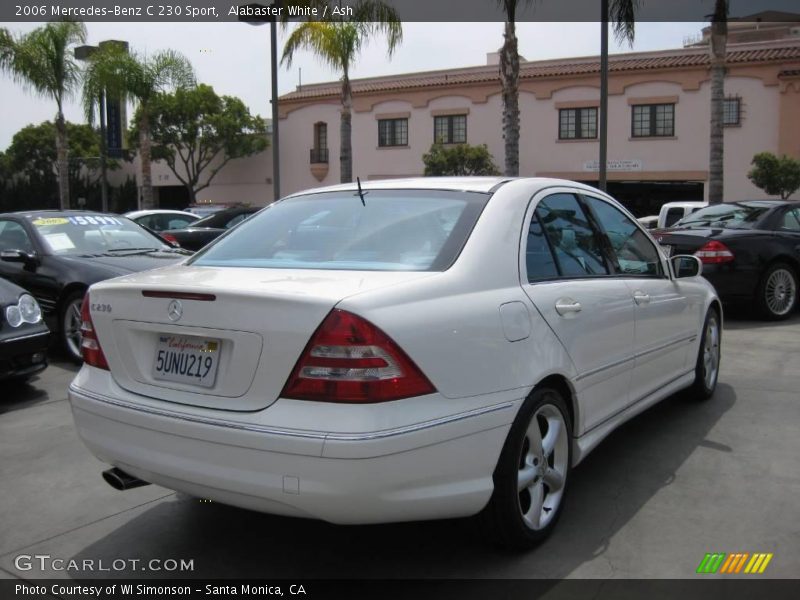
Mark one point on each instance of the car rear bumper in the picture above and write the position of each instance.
(439, 468)
(23, 355)
(733, 284)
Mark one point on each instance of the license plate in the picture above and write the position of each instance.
(186, 359)
(667, 250)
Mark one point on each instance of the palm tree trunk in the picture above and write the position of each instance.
(346, 142)
(509, 78)
(719, 35)
(62, 162)
(144, 157)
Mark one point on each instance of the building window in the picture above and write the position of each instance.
(577, 123)
(653, 120)
(731, 113)
(393, 132)
(451, 129)
(319, 153)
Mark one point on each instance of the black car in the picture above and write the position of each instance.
(750, 251)
(57, 255)
(209, 228)
(23, 334)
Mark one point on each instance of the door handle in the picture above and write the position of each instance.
(641, 298)
(565, 306)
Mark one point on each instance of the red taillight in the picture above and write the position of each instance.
(350, 360)
(90, 345)
(714, 253)
(170, 238)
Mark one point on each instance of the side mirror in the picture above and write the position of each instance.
(686, 266)
(18, 256)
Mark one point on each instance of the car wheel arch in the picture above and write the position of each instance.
(67, 291)
(562, 384)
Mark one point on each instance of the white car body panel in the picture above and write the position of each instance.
(481, 333)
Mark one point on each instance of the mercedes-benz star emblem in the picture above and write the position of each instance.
(175, 310)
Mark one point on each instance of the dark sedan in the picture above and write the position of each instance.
(23, 334)
(750, 251)
(57, 255)
(209, 228)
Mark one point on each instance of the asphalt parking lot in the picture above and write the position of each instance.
(681, 480)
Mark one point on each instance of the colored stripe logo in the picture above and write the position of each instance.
(736, 562)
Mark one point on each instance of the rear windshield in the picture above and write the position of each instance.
(391, 230)
(733, 215)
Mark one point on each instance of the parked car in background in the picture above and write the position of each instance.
(162, 220)
(672, 212)
(23, 334)
(750, 251)
(209, 228)
(649, 222)
(57, 255)
(204, 210)
(411, 349)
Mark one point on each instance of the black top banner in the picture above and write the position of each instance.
(408, 10)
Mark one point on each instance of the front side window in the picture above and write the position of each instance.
(731, 112)
(575, 243)
(391, 230)
(393, 132)
(653, 120)
(14, 237)
(635, 253)
(450, 129)
(577, 123)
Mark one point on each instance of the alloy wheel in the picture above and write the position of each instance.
(543, 466)
(780, 292)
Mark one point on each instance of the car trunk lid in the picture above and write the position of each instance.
(254, 322)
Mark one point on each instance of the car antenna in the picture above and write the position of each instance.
(361, 193)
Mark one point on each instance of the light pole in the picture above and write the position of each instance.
(84, 53)
(273, 10)
(602, 172)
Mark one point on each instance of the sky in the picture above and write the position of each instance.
(234, 57)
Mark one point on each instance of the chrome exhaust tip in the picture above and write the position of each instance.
(120, 480)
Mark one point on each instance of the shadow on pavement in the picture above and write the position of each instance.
(612, 485)
(17, 394)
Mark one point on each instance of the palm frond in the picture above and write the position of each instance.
(622, 13)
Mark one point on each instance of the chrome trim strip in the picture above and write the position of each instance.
(24, 337)
(297, 433)
(617, 363)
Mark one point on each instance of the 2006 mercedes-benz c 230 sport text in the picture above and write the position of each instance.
(412, 349)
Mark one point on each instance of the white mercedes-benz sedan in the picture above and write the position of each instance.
(413, 349)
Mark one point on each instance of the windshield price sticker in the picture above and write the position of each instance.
(51, 221)
(94, 220)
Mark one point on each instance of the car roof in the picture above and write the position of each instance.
(460, 184)
(683, 203)
(158, 211)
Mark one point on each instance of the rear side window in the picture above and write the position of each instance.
(391, 230)
(674, 215)
(575, 243)
(538, 257)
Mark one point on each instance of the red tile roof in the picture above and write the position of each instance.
(685, 57)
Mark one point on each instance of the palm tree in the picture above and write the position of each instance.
(509, 81)
(719, 40)
(623, 14)
(42, 61)
(338, 43)
(122, 74)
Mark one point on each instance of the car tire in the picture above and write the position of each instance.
(533, 471)
(776, 296)
(69, 326)
(706, 370)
